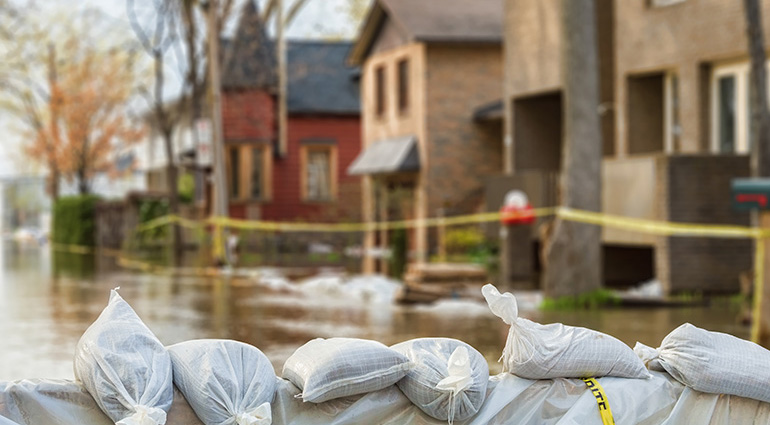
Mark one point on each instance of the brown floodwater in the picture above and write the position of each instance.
(47, 301)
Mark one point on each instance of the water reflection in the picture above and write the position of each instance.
(47, 303)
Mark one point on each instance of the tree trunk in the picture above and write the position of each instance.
(573, 251)
(82, 182)
(53, 182)
(760, 148)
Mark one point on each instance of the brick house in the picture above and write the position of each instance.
(308, 180)
(426, 68)
(675, 124)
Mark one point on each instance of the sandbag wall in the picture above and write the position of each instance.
(127, 377)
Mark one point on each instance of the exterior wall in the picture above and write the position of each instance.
(684, 38)
(393, 124)
(533, 67)
(697, 190)
(286, 202)
(462, 153)
(248, 116)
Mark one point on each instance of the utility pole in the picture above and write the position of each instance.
(53, 137)
(220, 186)
(282, 83)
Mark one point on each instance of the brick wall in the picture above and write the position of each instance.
(462, 153)
(286, 203)
(248, 115)
(698, 191)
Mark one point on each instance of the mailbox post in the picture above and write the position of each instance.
(516, 253)
(754, 195)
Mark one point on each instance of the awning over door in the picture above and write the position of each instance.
(387, 156)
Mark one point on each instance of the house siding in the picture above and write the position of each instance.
(286, 203)
(248, 115)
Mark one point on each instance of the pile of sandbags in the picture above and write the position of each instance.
(131, 375)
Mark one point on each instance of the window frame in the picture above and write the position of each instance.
(305, 151)
(402, 95)
(245, 166)
(740, 71)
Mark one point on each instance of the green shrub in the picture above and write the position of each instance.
(186, 188)
(74, 221)
(463, 240)
(148, 211)
(588, 300)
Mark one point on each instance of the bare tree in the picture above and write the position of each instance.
(157, 32)
(573, 250)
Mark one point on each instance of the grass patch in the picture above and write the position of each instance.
(588, 300)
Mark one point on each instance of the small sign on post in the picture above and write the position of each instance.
(203, 150)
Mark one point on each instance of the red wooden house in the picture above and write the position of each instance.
(308, 181)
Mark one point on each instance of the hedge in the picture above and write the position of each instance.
(74, 220)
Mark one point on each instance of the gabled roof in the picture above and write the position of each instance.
(250, 59)
(319, 80)
(452, 21)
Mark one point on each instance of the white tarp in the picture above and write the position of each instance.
(658, 400)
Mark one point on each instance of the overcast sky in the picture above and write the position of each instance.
(318, 19)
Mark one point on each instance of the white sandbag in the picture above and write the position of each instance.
(536, 351)
(226, 382)
(448, 379)
(325, 369)
(124, 367)
(712, 362)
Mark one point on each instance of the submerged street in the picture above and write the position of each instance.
(47, 303)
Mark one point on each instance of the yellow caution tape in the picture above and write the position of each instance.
(663, 228)
(601, 400)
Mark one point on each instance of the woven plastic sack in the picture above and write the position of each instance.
(536, 351)
(325, 369)
(124, 367)
(448, 379)
(226, 382)
(712, 362)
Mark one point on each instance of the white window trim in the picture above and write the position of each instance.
(664, 3)
(670, 128)
(741, 73)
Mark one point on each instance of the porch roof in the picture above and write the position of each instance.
(387, 156)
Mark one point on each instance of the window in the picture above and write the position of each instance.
(380, 90)
(403, 85)
(730, 109)
(235, 173)
(319, 165)
(249, 171)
